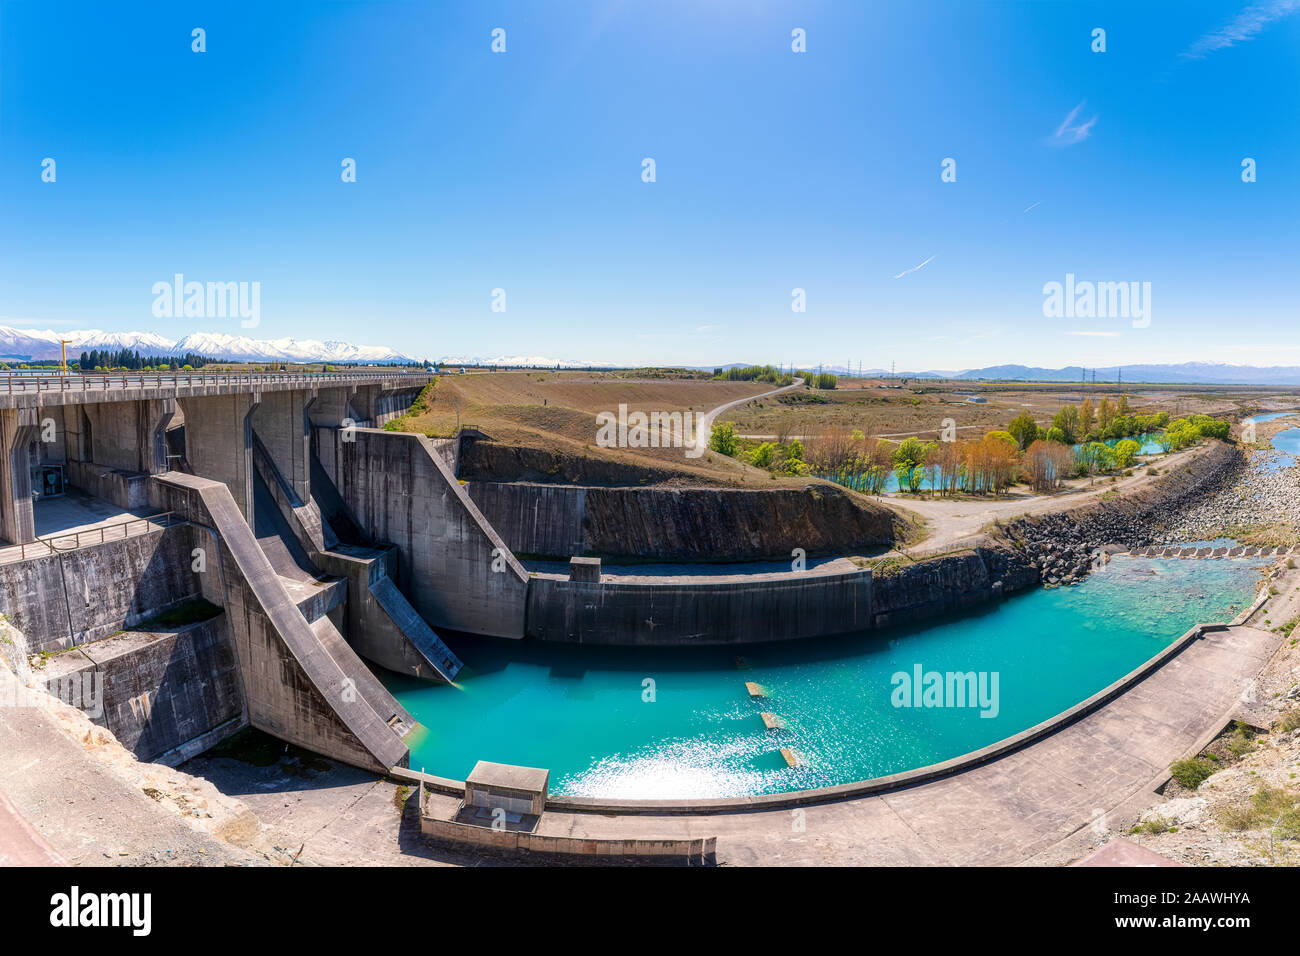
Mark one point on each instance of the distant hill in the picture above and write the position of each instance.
(1186, 373)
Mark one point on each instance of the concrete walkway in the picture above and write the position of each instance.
(76, 520)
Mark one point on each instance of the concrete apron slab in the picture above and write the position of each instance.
(1056, 794)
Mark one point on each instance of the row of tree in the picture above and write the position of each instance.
(101, 359)
(987, 465)
(772, 375)
(1087, 422)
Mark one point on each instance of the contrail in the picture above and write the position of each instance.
(914, 268)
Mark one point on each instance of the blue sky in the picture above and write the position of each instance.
(775, 170)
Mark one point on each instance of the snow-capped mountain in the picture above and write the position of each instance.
(33, 344)
(521, 361)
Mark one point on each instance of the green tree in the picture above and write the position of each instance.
(723, 439)
(1087, 418)
(1067, 420)
(909, 460)
(1126, 452)
(1024, 430)
(763, 455)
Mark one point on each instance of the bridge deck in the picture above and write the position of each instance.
(37, 391)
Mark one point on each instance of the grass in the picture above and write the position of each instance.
(1153, 826)
(1241, 741)
(1288, 627)
(555, 413)
(1193, 772)
(1288, 722)
(888, 567)
(1269, 808)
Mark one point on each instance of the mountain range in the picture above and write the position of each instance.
(1184, 373)
(35, 344)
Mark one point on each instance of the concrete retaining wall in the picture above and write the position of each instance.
(542, 520)
(940, 585)
(126, 489)
(78, 596)
(699, 610)
(449, 450)
(163, 693)
(681, 524)
(453, 566)
(700, 850)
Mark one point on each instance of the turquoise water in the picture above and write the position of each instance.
(1147, 445)
(579, 711)
(860, 484)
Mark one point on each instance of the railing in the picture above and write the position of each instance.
(59, 544)
(76, 381)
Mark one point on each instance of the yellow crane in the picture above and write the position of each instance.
(63, 351)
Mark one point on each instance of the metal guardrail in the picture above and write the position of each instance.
(60, 544)
(19, 383)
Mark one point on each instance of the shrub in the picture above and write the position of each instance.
(1126, 452)
(1153, 826)
(1193, 772)
(1289, 721)
(723, 439)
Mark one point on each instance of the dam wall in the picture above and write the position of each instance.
(681, 524)
(74, 597)
(166, 695)
(301, 681)
(453, 566)
(699, 611)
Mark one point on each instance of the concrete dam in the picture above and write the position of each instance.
(213, 552)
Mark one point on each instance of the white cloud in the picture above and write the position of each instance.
(1071, 132)
(1031, 206)
(920, 265)
(1105, 335)
(1244, 26)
